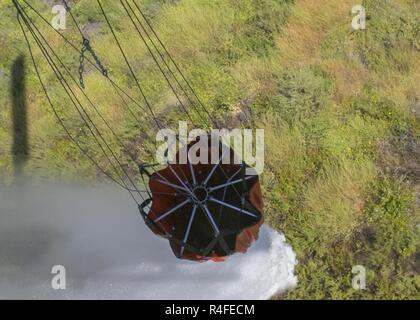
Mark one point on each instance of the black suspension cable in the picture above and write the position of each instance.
(79, 86)
(160, 55)
(129, 65)
(183, 108)
(105, 73)
(76, 49)
(115, 86)
(182, 75)
(175, 64)
(75, 101)
(77, 144)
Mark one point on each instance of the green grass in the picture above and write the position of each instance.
(340, 110)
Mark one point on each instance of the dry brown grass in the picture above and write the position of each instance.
(337, 199)
(299, 45)
(301, 39)
(348, 79)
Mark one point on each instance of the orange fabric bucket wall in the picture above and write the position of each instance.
(208, 211)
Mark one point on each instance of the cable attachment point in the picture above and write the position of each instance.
(86, 44)
(88, 48)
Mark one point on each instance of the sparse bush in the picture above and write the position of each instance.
(300, 95)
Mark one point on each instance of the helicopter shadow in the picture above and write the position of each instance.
(20, 145)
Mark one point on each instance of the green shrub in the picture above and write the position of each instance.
(300, 95)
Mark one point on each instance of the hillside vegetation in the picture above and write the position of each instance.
(340, 109)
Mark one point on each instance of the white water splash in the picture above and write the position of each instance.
(108, 253)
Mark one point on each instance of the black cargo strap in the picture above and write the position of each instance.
(201, 252)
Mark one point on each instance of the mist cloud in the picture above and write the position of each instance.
(97, 234)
